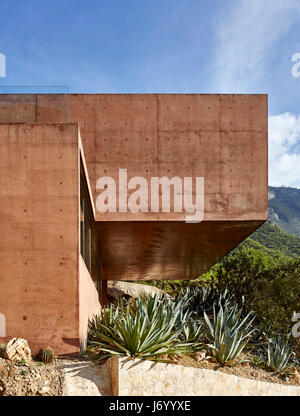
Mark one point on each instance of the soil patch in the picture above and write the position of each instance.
(30, 379)
(246, 370)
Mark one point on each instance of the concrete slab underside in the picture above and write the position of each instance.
(167, 250)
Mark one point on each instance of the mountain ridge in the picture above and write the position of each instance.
(281, 234)
(284, 208)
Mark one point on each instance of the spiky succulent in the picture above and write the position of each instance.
(192, 332)
(227, 333)
(46, 355)
(148, 327)
(278, 354)
(197, 299)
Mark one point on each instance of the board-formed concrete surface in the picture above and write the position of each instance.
(44, 296)
(49, 144)
(220, 137)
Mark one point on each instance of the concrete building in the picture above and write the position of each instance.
(57, 250)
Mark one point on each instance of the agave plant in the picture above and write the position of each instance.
(148, 327)
(197, 299)
(278, 354)
(107, 319)
(192, 332)
(228, 333)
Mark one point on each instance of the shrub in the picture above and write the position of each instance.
(258, 280)
(269, 286)
(240, 271)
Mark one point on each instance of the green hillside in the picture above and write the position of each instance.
(274, 238)
(251, 243)
(284, 208)
(281, 234)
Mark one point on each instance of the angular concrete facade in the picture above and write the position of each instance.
(44, 287)
(51, 143)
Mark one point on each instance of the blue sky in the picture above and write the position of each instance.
(211, 46)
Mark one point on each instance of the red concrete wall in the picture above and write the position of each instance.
(88, 302)
(46, 293)
(221, 137)
(39, 245)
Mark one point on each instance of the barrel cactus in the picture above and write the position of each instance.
(46, 355)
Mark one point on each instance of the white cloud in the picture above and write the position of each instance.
(245, 38)
(284, 155)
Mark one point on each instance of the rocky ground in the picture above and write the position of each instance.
(30, 378)
(37, 379)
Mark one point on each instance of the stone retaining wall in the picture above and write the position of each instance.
(84, 378)
(146, 378)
